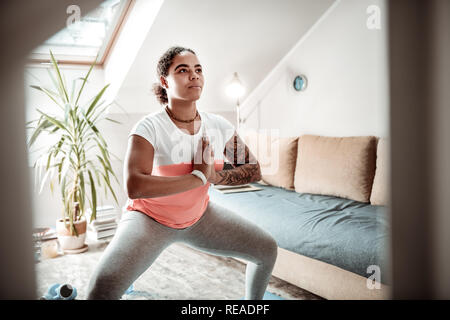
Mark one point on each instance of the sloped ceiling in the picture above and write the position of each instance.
(249, 37)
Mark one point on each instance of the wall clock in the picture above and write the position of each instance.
(300, 83)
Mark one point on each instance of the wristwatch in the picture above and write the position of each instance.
(200, 175)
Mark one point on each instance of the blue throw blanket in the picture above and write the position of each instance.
(342, 232)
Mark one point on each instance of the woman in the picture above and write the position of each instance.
(167, 185)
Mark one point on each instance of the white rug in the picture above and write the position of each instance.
(179, 273)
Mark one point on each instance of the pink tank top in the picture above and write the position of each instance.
(174, 150)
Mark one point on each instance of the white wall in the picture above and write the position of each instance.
(347, 69)
(247, 37)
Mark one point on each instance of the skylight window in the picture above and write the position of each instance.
(84, 38)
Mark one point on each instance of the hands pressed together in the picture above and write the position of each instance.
(204, 159)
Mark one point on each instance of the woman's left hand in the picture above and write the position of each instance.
(212, 173)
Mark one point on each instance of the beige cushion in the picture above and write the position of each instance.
(337, 166)
(379, 195)
(276, 157)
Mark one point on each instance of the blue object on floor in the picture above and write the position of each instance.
(129, 290)
(60, 292)
(269, 296)
(51, 292)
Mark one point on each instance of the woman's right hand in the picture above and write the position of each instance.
(204, 157)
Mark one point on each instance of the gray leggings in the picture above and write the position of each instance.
(139, 240)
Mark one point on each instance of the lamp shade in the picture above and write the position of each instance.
(235, 89)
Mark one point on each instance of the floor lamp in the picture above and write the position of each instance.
(235, 90)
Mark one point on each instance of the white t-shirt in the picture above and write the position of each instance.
(174, 150)
(173, 145)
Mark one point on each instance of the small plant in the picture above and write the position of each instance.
(80, 157)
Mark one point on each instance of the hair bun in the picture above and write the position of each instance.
(160, 92)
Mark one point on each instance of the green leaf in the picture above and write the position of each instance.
(63, 76)
(47, 173)
(55, 121)
(100, 112)
(106, 158)
(92, 117)
(112, 120)
(108, 183)
(48, 160)
(54, 130)
(84, 81)
(97, 97)
(66, 164)
(90, 203)
(60, 96)
(58, 146)
(45, 124)
(67, 109)
(59, 169)
(102, 141)
(74, 82)
(98, 176)
(103, 164)
(107, 163)
(51, 186)
(82, 192)
(76, 117)
(63, 189)
(59, 78)
(72, 162)
(30, 122)
(47, 92)
(95, 130)
(68, 137)
(94, 197)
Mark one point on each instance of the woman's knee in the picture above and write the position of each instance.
(269, 251)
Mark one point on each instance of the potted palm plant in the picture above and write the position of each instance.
(80, 157)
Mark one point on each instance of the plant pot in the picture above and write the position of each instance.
(66, 240)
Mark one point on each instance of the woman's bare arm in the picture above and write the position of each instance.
(138, 181)
(246, 167)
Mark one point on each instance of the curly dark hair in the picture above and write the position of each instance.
(162, 69)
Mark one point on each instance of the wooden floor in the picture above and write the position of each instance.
(179, 273)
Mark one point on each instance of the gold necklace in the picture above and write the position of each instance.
(185, 121)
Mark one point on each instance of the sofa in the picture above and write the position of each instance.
(324, 200)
